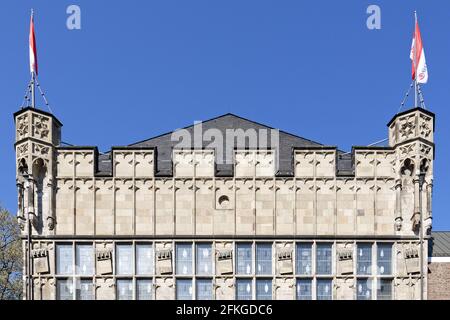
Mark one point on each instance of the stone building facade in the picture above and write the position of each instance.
(289, 219)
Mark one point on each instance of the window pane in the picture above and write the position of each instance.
(304, 289)
(143, 289)
(244, 258)
(85, 290)
(184, 258)
(364, 289)
(204, 289)
(303, 258)
(84, 259)
(124, 289)
(384, 291)
(184, 289)
(324, 289)
(263, 289)
(384, 258)
(263, 258)
(64, 259)
(204, 259)
(323, 258)
(144, 259)
(243, 289)
(364, 258)
(124, 259)
(64, 289)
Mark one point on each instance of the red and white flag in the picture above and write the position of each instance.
(417, 55)
(33, 54)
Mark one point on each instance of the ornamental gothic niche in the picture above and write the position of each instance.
(289, 219)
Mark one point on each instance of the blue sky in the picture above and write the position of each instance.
(140, 68)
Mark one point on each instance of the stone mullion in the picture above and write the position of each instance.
(74, 199)
(315, 192)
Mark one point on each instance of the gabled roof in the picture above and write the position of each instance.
(164, 145)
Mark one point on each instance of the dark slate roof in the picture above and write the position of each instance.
(439, 246)
(163, 145)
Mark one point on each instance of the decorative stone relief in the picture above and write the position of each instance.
(22, 150)
(425, 150)
(224, 288)
(407, 127)
(425, 126)
(40, 126)
(22, 126)
(105, 288)
(40, 150)
(284, 288)
(40, 261)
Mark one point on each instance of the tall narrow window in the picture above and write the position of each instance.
(324, 289)
(323, 258)
(184, 289)
(203, 258)
(64, 259)
(304, 289)
(85, 290)
(124, 289)
(124, 259)
(263, 289)
(144, 259)
(204, 289)
(364, 258)
(143, 289)
(184, 258)
(384, 290)
(264, 258)
(64, 289)
(384, 258)
(364, 289)
(244, 258)
(243, 289)
(303, 256)
(84, 257)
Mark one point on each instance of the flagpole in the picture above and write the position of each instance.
(415, 61)
(33, 81)
(33, 95)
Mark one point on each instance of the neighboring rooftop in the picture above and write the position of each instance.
(439, 246)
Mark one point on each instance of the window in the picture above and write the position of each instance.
(384, 290)
(243, 289)
(263, 258)
(124, 259)
(204, 289)
(184, 258)
(304, 289)
(203, 259)
(323, 258)
(264, 289)
(184, 289)
(364, 258)
(244, 258)
(64, 259)
(324, 289)
(84, 259)
(384, 258)
(143, 289)
(144, 259)
(85, 290)
(64, 289)
(303, 258)
(124, 289)
(364, 289)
